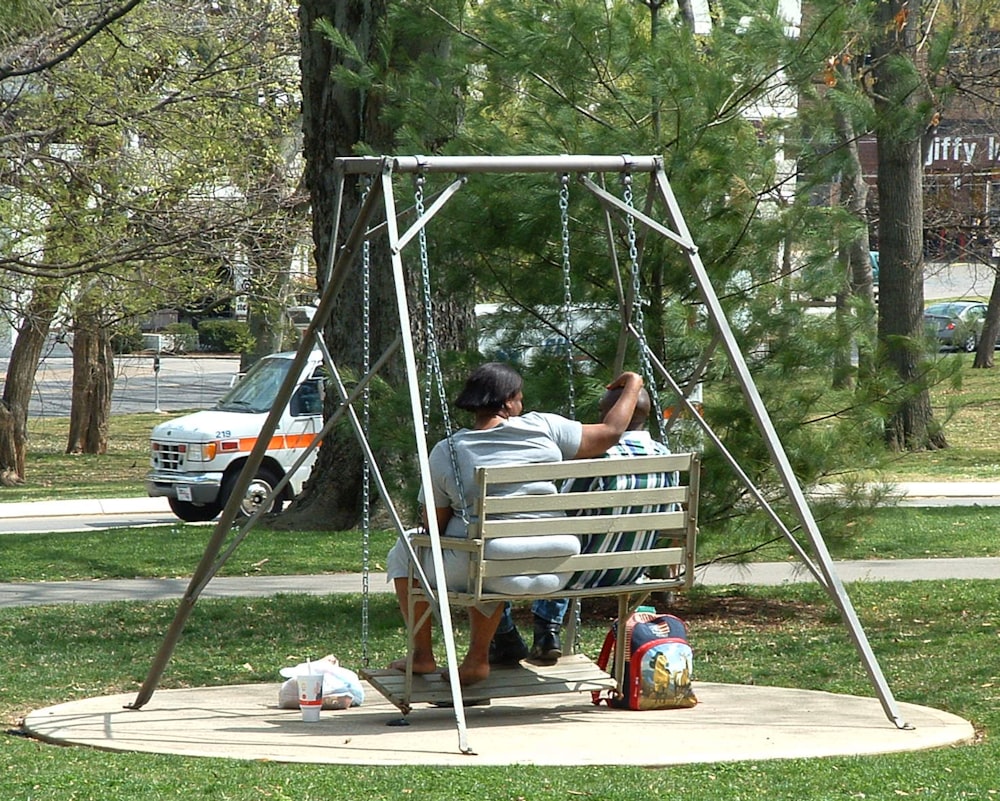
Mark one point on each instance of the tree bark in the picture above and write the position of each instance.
(21, 370)
(900, 127)
(269, 283)
(336, 119)
(854, 253)
(93, 383)
(9, 475)
(991, 326)
(270, 252)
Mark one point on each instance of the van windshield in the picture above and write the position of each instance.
(256, 391)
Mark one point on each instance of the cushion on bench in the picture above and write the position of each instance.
(513, 549)
(509, 549)
(505, 548)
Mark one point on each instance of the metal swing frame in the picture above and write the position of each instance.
(380, 204)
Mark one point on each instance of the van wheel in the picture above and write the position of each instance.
(260, 486)
(194, 512)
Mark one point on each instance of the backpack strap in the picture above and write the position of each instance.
(602, 662)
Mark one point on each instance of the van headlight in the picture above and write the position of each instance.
(201, 451)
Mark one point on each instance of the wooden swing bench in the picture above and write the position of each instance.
(649, 531)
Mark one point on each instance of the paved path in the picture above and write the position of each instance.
(759, 573)
(908, 493)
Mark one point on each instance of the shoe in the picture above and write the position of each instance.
(508, 648)
(546, 647)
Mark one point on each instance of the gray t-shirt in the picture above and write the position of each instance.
(527, 439)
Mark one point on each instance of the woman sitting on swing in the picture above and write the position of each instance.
(501, 434)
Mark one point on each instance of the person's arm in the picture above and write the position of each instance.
(443, 514)
(598, 437)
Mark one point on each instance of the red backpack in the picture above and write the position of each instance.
(658, 663)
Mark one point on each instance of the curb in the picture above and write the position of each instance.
(84, 506)
(947, 489)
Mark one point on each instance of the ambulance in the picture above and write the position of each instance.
(195, 459)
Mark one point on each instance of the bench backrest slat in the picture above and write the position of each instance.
(583, 468)
(575, 501)
(595, 561)
(586, 524)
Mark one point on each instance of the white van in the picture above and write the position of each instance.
(196, 459)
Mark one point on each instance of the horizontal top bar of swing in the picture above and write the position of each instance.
(500, 164)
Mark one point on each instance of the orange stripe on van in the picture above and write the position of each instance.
(278, 442)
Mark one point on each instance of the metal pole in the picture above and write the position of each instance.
(423, 456)
(834, 586)
(204, 570)
(502, 164)
(156, 379)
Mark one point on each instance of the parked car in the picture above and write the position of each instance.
(956, 324)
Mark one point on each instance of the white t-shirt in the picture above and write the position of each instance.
(527, 439)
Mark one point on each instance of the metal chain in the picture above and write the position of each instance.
(567, 320)
(644, 363)
(418, 202)
(433, 358)
(567, 291)
(366, 421)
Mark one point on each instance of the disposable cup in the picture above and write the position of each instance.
(310, 696)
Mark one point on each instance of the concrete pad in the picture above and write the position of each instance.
(731, 722)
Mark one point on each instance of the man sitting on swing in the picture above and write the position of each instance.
(508, 648)
(501, 434)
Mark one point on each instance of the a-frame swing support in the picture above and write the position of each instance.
(381, 200)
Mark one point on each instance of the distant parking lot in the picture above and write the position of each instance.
(183, 382)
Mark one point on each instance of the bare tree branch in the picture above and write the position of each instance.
(86, 36)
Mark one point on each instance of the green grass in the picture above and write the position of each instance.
(968, 414)
(881, 533)
(52, 473)
(936, 643)
(175, 550)
(170, 551)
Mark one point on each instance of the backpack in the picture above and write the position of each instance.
(658, 663)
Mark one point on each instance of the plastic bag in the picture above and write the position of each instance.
(341, 686)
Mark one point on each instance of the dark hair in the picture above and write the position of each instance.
(488, 387)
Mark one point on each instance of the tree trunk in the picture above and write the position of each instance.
(900, 126)
(271, 251)
(266, 319)
(10, 454)
(854, 198)
(21, 370)
(337, 118)
(991, 326)
(842, 366)
(93, 382)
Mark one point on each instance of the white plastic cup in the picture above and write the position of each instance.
(310, 696)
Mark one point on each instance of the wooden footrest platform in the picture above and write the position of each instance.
(574, 673)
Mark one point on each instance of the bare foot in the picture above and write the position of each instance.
(421, 665)
(470, 673)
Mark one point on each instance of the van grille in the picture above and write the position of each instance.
(168, 456)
